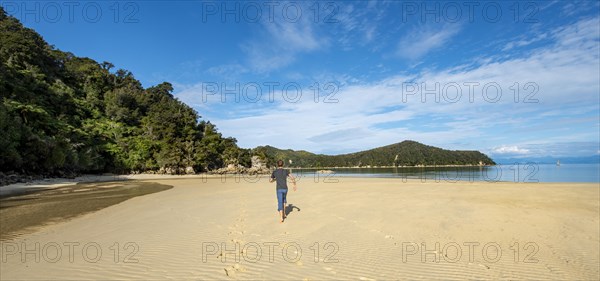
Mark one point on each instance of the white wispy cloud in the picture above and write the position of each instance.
(571, 8)
(280, 41)
(358, 23)
(426, 39)
(524, 42)
(545, 148)
(510, 150)
(566, 73)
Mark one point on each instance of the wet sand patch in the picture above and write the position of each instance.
(27, 212)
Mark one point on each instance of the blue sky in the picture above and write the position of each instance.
(511, 79)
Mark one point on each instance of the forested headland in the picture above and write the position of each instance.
(405, 153)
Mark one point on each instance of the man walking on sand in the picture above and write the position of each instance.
(280, 175)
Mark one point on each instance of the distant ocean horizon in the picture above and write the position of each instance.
(516, 172)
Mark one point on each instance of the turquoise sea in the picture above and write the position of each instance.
(518, 172)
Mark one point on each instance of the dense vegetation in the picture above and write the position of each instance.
(64, 114)
(61, 114)
(406, 153)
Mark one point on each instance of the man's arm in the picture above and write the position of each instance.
(293, 179)
(272, 178)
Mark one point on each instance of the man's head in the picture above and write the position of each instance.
(279, 163)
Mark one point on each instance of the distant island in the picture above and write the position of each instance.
(63, 115)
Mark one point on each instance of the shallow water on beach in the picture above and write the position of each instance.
(518, 172)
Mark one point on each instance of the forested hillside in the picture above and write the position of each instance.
(406, 153)
(62, 114)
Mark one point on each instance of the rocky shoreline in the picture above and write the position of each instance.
(6, 179)
(258, 168)
(13, 177)
(240, 170)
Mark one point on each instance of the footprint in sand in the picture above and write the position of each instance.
(229, 272)
(484, 266)
(233, 270)
(241, 242)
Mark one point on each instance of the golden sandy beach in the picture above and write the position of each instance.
(354, 229)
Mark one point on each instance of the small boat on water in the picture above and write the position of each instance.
(557, 162)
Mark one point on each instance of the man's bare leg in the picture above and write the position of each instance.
(281, 216)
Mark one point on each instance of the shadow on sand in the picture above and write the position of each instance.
(290, 208)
